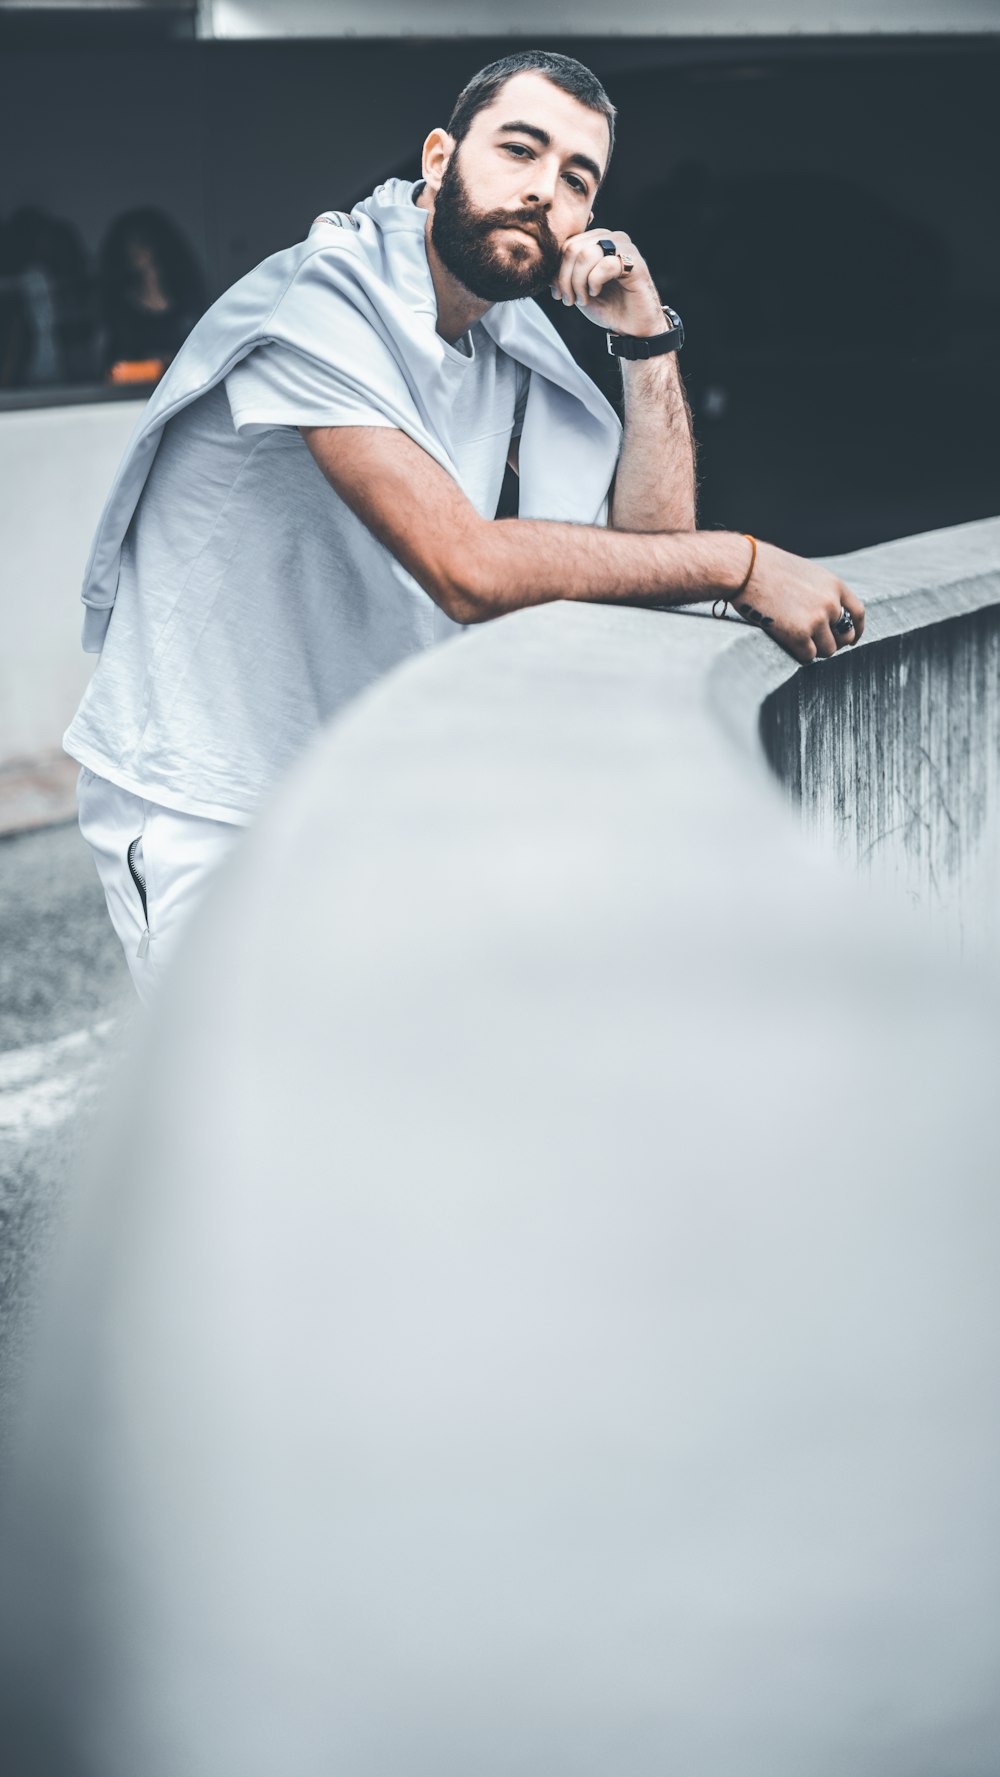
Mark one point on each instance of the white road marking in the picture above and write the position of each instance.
(42, 1085)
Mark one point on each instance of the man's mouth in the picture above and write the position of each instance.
(520, 228)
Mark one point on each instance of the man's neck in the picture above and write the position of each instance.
(458, 309)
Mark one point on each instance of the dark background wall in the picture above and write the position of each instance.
(821, 211)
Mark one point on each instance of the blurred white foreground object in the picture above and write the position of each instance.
(539, 1315)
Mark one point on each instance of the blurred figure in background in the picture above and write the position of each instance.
(47, 318)
(152, 294)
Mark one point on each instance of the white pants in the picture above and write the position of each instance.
(153, 864)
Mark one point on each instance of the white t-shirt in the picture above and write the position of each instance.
(252, 602)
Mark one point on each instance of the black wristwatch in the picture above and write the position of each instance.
(626, 345)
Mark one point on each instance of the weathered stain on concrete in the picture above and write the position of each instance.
(895, 759)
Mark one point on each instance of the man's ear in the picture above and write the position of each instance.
(438, 150)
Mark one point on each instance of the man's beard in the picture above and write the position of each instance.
(463, 238)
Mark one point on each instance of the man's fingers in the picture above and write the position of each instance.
(561, 286)
(801, 648)
(583, 266)
(574, 253)
(585, 270)
(586, 275)
(825, 640)
(606, 271)
(564, 286)
(852, 603)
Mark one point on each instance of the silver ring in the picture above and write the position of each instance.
(844, 622)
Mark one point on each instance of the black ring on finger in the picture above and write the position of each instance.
(844, 622)
(608, 248)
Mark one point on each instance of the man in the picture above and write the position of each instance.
(238, 596)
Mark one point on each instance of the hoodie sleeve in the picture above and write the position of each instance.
(278, 386)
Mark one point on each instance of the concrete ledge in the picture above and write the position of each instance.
(536, 1310)
(907, 586)
(891, 752)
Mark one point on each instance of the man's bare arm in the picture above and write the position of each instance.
(654, 487)
(655, 483)
(477, 568)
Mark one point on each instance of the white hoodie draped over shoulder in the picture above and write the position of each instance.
(372, 265)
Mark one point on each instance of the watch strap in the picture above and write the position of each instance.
(628, 345)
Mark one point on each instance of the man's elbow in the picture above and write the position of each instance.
(465, 585)
(465, 604)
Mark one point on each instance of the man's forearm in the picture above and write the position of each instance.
(476, 568)
(519, 562)
(655, 486)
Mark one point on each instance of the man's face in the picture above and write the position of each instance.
(520, 184)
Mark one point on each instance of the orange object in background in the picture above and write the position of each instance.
(137, 370)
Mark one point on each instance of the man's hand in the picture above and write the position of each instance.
(798, 602)
(614, 291)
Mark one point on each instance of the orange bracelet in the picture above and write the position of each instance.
(730, 598)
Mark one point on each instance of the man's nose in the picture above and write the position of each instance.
(540, 185)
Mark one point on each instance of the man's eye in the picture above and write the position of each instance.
(517, 148)
(576, 183)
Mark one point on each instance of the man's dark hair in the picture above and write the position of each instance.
(563, 72)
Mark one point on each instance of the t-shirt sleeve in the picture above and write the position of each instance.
(276, 386)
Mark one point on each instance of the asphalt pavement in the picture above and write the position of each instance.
(65, 1007)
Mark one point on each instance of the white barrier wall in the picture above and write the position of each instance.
(472, 18)
(56, 466)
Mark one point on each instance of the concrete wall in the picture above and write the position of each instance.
(899, 768)
(485, 18)
(243, 143)
(56, 465)
(535, 1308)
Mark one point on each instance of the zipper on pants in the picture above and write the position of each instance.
(140, 883)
